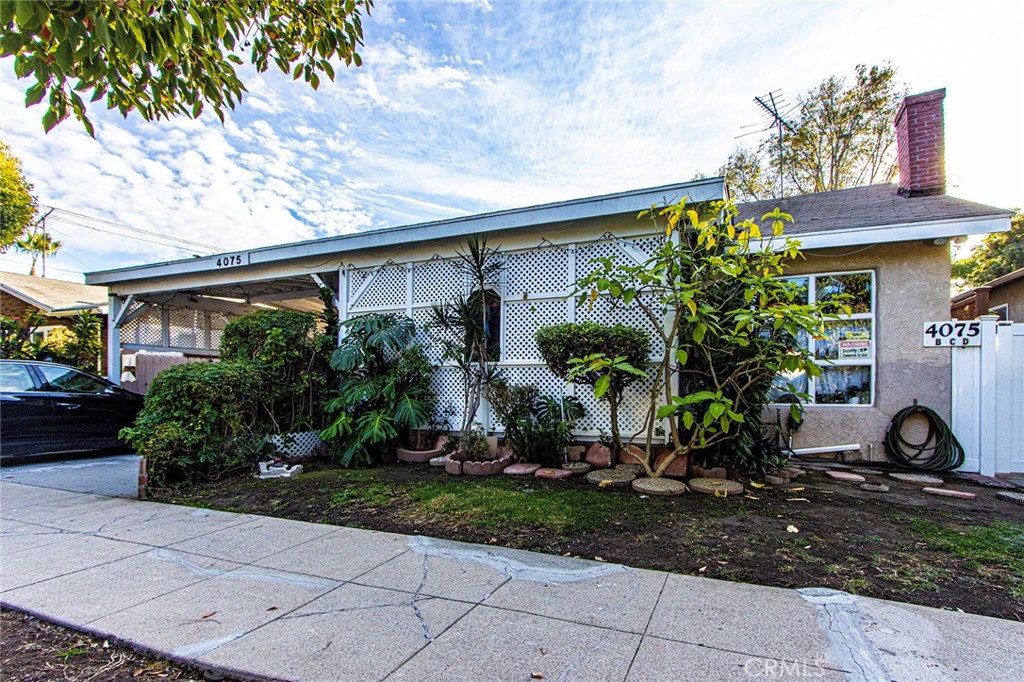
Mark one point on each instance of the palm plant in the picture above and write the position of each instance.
(38, 244)
(468, 339)
(384, 388)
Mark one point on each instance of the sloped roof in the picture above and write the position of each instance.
(53, 296)
(1008, 278)
(867, 206)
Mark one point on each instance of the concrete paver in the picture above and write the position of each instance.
(352, 633)
(754, 620)
(280, 599)
(341, 555)
(495, 644)
(253, 540)
(116, 586)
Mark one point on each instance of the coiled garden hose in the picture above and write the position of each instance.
(939, 451)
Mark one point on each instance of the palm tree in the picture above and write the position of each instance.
(38, 244)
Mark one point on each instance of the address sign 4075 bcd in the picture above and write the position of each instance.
(952, 333)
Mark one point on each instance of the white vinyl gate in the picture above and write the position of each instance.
(988, 399)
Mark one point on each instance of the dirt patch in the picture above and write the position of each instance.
(903, 545)
(34, 650)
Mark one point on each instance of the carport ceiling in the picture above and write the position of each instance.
(292, 293)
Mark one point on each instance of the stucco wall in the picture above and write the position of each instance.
(1012, 295)
(912, 281)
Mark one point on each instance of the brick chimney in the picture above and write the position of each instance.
(920, 145)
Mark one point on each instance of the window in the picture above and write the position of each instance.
(15, 379)
(66, 380)
(846, 353)
(1002, 312)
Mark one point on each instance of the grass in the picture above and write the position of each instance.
(72, 652)
(998, 546)
(498, 504)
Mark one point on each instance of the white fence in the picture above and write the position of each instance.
(988, 399)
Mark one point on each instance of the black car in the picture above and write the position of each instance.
(49, 410)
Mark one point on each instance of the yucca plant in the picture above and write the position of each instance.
(383, 392)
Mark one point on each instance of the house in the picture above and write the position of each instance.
(57, 301)
(887, 245)
(1003, 297)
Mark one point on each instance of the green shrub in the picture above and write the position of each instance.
(623, 346)
(197, 422)
(290, 354)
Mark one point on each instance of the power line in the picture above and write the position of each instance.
(69, 216)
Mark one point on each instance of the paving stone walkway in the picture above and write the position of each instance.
(274, 599)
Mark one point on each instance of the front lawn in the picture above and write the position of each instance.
(902, 545)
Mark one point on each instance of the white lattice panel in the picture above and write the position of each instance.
(447, 386)
(428, 336)
(217, 323)
(387, 289)
(648, 245)
(588, 252)
(187, 328)
(436, 281)
(522, 320)
(537, 272)
(145, 330)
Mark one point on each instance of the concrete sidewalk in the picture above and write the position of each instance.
(268, 598)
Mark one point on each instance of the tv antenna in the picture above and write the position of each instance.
(771, 107)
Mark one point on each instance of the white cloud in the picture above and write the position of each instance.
(461, 109)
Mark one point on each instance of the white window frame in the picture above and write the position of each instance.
(871, 316)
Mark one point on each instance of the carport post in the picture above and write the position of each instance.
(114, 339)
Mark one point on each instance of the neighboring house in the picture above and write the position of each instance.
(55, 299)
(1003, 296)
(887, 245)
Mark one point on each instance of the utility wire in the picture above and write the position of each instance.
(75, 218)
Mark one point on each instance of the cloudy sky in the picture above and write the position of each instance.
(465, 107)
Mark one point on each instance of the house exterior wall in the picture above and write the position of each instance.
(14, 307)
(1012, 296)
(912, 287)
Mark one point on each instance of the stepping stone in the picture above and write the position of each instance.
(845, 476)
(948, 492)
(715, 486)
(874, 487)
(775, 480)
(923, 479)
(438, 461)
(635, 469)
(868, 472)
(659, 486)
(610, 478)
(1017, 498)
(988, 481)
(548, 472)
(523, 469)
(579, 468)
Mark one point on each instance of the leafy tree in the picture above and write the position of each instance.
(722, 347)
(38, 244)
(168, 57)
(844, 137)
(18, 207)
(18, 339)
(999, 254)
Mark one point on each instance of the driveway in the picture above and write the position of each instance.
(112, 476)
(268, 598)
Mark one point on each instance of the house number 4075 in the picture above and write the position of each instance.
(229, 261)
